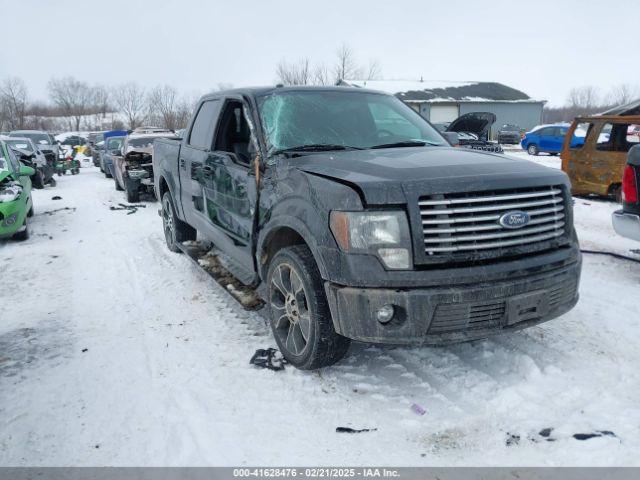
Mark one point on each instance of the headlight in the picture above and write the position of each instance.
(385, 234)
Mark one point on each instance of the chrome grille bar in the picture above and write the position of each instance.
(470, 222)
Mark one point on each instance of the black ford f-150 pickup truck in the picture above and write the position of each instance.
(358, 220)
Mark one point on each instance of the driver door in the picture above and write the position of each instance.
(229, 183)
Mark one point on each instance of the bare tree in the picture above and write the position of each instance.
(346, 67)
(13, 103)
(297, 73)
(129, 98)
(73, 97)
(374, 70)
(623, 94)
(163, 107)
(586, 97)
(320, 75)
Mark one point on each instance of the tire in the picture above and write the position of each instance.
(616, 193)
(52, 182)
(24, 235)
(37, 180)
(175, 230)
(107, 174)
(133, 194)
(30, 212)
(553, 154)
(295, 293)
(533, 149)
(118, 187)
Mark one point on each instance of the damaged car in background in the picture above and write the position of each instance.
(355, 219)
(16, 203)
(31, 156)
(132, 164)
(473, 131)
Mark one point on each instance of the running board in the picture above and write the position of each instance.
(206, 258)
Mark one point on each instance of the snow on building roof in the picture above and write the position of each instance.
(445, 91)
(632, 108)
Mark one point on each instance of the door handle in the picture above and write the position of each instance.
(207, 170)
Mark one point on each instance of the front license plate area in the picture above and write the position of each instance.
(527, 306)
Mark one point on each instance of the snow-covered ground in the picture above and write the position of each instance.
(115, 351)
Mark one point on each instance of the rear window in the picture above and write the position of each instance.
(580, 135)
(37, 138)
(615, 137)
(20, 144)
(201, 135)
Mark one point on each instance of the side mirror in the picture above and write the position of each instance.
(26, 171)
(452, 138)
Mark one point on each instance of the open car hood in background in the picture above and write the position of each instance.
(477, 123)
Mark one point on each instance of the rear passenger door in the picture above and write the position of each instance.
(558, 138)
(546, 139)
(193, 155)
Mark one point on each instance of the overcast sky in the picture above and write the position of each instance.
(541, 47)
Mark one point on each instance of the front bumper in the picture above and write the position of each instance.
(626, 224)
(451, 314)
(12, 215)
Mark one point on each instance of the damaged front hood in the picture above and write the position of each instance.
(477, 123)
(138, 151)
(394, 176)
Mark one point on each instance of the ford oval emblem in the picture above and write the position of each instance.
(514, 219)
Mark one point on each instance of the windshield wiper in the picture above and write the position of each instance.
(407, 143)
(319, 147)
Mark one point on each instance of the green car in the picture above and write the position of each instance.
(15, 195)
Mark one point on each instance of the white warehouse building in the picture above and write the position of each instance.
(443, 101)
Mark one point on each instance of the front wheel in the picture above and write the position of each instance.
(38, 180)
(533, 149)
(299, 314)
(118, 187)
(24, 234)
(175, 230)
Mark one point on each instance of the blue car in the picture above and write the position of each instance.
(548, 139)
(113, 145)
(112, 141)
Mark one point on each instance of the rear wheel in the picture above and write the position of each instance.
(175, 230)
(616, 192)
(118, 187)
(533, 149)
(299, 314)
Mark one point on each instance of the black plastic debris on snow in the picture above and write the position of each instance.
(132, 208)
(354, 430)
(56, 197)
(269, 358)
(51, 212)
(597, 433)
(512, 439)
(546, 434)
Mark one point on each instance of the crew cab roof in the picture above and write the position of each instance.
(258, 91)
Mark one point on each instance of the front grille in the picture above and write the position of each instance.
(469, 222)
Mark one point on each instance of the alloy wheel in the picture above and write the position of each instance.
(167, 220)
(290, 311)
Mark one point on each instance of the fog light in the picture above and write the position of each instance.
(385, 313)
(10, 220)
